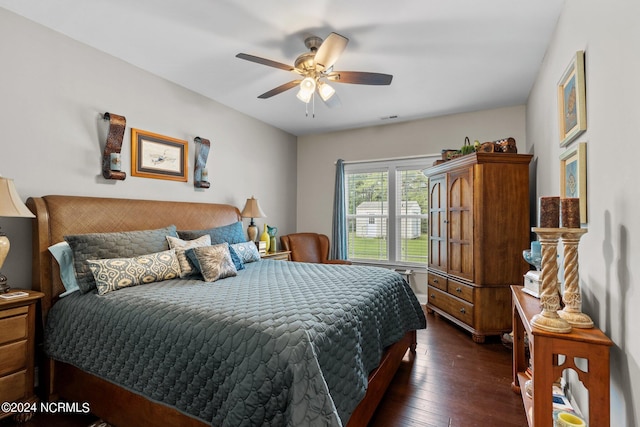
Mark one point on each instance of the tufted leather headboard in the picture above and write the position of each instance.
(58, 216)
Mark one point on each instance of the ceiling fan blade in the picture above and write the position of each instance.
(265, 61)
(360, 78)
(330, 50)
(280, 89)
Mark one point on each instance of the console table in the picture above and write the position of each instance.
(545, 347)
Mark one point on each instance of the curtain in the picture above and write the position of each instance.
(339, 233)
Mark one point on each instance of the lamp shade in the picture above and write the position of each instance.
(325, 91)
(10, 203)
(252, 209)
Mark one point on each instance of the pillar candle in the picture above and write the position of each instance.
(536, 249)
(570, 209)
(549, 212)
(204, 175)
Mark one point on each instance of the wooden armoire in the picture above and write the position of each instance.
(478, 227)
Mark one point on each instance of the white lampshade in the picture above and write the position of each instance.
(10, 203)
(307, 87)
(325, 91)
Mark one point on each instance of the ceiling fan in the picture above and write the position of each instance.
(315, 70)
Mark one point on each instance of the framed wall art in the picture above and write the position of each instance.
(572, 112)
(573, 176)
(158, 156)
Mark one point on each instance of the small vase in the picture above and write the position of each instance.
(272, 244)
(264, 237)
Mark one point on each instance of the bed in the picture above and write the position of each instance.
(264, 347)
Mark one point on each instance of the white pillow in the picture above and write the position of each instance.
(186, 266)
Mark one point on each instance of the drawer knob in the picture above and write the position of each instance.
(459, 290)
(433, 296)
(435, 280)
(462, 310)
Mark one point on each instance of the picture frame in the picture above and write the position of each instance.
(158, 156)
(572, 113)
(573, 176)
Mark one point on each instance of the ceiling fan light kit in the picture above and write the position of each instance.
(307, 88)
(315, 67)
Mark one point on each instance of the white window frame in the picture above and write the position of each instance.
(391, 166)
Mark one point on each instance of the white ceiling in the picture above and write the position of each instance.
(446, 56)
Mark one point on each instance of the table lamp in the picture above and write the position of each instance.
(10, 206)
(252, 210)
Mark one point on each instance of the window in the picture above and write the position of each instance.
(379, 231)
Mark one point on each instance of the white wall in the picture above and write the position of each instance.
(317, 155)
(608, 254)
(53, 92)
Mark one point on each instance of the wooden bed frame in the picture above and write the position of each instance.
(57, 216)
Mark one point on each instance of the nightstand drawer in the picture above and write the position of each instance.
(14, 324)
(13, 387)
(13, 357)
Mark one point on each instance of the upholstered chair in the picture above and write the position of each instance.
(309, 247)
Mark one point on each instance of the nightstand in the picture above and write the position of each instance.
(277, 255)
(17, 350)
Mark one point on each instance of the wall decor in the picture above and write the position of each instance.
(200, 172)
(573, 176)
(158, 156)
(111, 160)
(572, 110)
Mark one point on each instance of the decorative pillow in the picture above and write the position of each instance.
(117, 273)
(214, 262)
(125, 244)
(64, 255)
(232, 233)
(237, 261)
(186, 266)
(247, 251)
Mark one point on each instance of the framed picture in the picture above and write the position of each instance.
(572, 113)
(573, 176)
(158, 156)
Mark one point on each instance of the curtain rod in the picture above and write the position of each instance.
(388, 159)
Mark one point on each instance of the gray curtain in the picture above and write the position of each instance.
(339, 233)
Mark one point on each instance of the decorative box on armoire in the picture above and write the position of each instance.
(479, 225)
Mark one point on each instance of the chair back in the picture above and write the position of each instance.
(306, 247)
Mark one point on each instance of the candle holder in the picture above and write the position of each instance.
(549, 319)
(572, 299)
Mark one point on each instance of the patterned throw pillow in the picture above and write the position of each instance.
(117, 273)
(214, 262)
(125, 244)
(237, 261)
(186, 266)
(247, 251)
(232, 233)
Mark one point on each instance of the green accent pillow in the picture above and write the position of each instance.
(117, 273)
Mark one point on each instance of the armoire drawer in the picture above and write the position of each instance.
(456, 307)
(437, 281)
(461, 290)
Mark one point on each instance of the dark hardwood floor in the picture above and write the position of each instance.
(451, 382)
